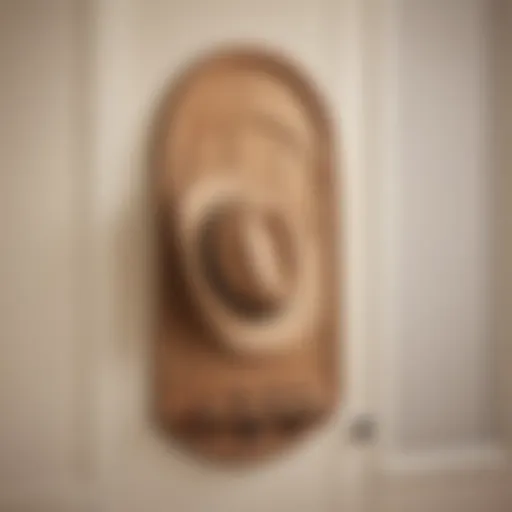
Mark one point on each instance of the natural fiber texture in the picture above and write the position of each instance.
(246, 353)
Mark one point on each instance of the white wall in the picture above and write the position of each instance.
(444, 175)
(40, 190)
(503, 197)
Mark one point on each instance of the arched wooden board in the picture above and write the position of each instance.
(251, 118)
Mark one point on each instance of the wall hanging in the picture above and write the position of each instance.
(248, 314)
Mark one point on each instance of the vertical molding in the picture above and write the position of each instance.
(83, 19)
(348, 29)
(111, 82)
(359, 24)
(387, 217)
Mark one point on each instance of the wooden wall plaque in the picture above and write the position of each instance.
(246, 346)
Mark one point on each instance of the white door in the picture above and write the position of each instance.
(82, 82)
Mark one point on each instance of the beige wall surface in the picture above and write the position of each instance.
(445, 174)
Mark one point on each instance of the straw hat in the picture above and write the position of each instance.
(251, 266)
(241, 153)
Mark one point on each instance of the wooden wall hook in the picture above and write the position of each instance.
(246, 348)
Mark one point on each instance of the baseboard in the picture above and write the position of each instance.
(476, 458)
(476, 479)
(48, 495)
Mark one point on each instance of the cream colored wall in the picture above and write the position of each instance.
(40, 197)
(444, 179)
(503, 234)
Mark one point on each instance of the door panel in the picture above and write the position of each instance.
(76, 430)
(146, 45)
